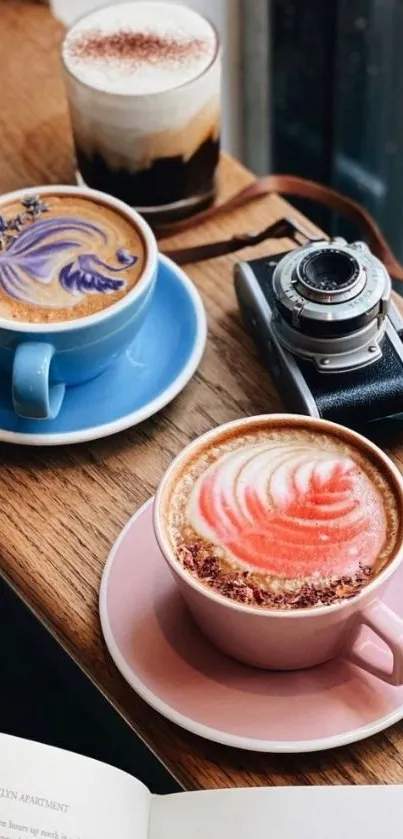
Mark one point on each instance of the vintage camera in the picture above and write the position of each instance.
(327, 329)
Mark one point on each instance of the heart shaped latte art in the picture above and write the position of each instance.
(290, 510)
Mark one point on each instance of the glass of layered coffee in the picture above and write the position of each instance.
(143, 83)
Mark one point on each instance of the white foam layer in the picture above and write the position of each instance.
(292, 510)
(138, 73)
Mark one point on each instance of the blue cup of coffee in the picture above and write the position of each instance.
(77, 274)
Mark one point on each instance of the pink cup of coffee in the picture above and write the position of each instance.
(282, 533)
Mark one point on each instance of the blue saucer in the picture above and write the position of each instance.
(152, 371)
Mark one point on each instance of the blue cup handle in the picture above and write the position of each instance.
(33, 396)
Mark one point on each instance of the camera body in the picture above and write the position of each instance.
(327, 329)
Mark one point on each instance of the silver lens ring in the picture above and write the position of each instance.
(329, 275)
(367, 292)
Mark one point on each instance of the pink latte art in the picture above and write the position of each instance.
(292, 511)
(283, 517)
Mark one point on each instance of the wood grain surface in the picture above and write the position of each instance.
(62, 509)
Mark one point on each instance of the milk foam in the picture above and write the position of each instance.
(76, 258)
(290, 510)
(162, 69)
(291, 507)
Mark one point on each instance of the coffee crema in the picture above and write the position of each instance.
(64, 257)
(283, 517)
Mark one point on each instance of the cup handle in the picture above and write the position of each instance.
(33, 396)
(389, 628)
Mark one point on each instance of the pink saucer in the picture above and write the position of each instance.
(165, 658)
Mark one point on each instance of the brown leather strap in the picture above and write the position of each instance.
(284, 228)
(285, 185)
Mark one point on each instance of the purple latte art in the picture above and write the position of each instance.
(83, 276)
(33, 260)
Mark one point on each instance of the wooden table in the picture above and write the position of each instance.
(62, 509)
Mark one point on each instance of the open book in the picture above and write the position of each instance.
(46, 793)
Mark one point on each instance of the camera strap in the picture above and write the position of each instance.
(289, 185)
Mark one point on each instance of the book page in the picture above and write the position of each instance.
(280, 813)
(47, 793)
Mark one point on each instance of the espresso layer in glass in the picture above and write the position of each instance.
(167, 180)
(283, 517)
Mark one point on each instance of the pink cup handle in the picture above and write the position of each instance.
(389, 628)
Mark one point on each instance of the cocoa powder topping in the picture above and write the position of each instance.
(136, 47)
(246, 587)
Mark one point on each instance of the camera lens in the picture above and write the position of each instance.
(329, 271)
(325, 290)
